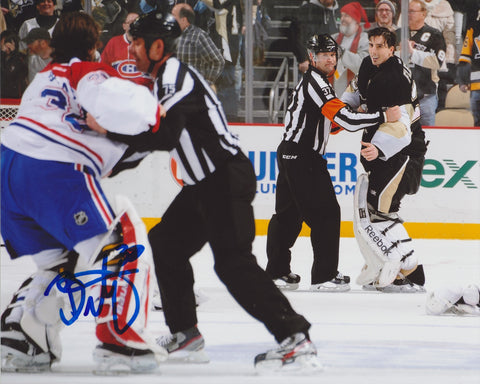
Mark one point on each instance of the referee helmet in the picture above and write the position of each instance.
(156, 25)
(321, 43)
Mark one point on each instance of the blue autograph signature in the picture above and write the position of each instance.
(70, 284)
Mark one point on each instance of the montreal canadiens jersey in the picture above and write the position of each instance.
(50, 124)
(116, 54)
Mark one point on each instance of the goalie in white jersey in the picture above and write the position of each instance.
(54, 210)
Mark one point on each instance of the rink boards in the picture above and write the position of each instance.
(446, 206)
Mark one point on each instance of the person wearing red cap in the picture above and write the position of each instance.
(353, 42)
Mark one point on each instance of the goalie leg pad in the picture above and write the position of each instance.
(127, 295)
(382, 239)
(31, 324)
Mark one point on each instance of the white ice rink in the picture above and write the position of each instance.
(361, 337)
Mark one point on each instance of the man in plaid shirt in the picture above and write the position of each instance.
(195, 47)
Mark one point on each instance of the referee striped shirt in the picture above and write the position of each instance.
(314, 107)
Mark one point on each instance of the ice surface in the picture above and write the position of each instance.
(361, 337)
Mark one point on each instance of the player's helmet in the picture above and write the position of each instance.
(156, 25)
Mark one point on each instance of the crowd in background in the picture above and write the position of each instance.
(26, 27)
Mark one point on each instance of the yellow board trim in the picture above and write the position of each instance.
(462, 231)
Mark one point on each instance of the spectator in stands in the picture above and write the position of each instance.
(261, 25)
(13, 66)
(468, 69)
(17, 11)
(3, 22)
(427, 53)
(195, 47)
(45, 18)
(38, 42)
(440, 16)
(231, 25)
(117, 55)
(313, 17)
(385, 13)
(458, 7)
(353, 43)
(70, 6)
(147, 6)
(368, 5)
(471, 9)
(110, 14)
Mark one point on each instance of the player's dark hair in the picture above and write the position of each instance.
(75, 35)
(389, 36)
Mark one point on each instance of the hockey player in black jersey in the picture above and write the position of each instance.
(393, 155)
(304, 188)
(214, 206)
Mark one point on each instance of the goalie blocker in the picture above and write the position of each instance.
(383, 242)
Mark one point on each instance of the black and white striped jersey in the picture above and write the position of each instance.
(313, 108)
(197, 133)
(194, 131)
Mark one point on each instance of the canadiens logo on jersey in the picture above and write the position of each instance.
(127, 69)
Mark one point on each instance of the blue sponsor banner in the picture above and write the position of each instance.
(341, 165)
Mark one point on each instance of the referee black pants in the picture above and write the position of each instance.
(218, 210)
(304, 194)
